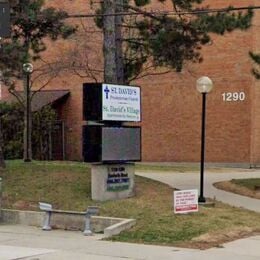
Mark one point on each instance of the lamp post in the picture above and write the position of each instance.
(28, 69)
(204, 86)
(1, 75)
(2, 161)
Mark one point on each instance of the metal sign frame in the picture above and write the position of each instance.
(5, 25)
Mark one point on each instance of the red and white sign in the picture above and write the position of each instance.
(185, 201)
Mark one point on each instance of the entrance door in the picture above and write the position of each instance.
(57, 141)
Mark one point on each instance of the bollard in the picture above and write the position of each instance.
(87, 231)
(47, 219)
(91, 211)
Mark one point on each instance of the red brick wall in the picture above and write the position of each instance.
(3, 92)
(171, 105)
(255, 96)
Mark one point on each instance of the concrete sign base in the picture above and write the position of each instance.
(112, 181)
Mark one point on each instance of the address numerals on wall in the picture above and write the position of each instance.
(233, 96)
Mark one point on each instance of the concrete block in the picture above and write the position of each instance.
(112, 181)
(99, 223)
(30, 218)
(68, 221)
(119, 227)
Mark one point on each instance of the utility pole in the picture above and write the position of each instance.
(109, 43)
(119, 42)
(112, 47)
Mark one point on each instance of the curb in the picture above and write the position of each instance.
(72, 220)
(125, 224)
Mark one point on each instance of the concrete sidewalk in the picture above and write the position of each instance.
(20, 242)
(191, 180)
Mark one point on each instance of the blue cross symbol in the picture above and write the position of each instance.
(106, 90)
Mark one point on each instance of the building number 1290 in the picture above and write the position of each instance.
(233, 96)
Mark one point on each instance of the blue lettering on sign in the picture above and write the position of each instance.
(117, 179)
(127, 91)
(121, 91)
(114, 90)
(106, 90)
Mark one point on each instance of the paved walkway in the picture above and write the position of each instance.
(191, 180)
(20, 242)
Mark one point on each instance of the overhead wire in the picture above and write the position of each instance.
(168, 13)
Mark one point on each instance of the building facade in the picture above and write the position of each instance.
(171, 105)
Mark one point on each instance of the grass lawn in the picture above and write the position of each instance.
(67, 186)
(245, 187)
(248, 183)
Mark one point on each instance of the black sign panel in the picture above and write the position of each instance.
(4, 20)
(92, 101)
(111, 144)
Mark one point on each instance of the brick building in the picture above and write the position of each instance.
(171, 105)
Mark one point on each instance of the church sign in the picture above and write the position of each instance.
(108, 143)
(105, 139)
(110, 102)
(121, 103)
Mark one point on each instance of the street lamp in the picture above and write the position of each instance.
(28, 69)
(204, 85)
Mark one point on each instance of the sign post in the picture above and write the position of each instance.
(5, 30)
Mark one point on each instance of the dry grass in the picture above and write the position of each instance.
(242, 187)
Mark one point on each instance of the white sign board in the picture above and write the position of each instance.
(185, 201)
(121, 103)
